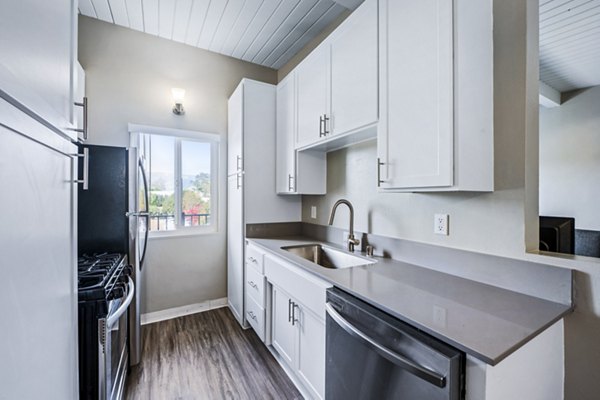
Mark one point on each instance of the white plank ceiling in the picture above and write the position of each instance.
(265, 32)
(570, 43)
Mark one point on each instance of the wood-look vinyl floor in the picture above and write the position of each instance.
(206, 356)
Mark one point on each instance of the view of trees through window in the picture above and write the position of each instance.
(185, 161)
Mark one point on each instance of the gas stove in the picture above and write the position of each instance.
(105, 293)
(102, 276)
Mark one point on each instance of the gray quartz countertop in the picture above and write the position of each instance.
(484, 321)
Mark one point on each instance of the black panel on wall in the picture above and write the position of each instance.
(587, 243)
(102, 224)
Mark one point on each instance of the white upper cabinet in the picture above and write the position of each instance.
(354, 71)
(436, 127)
(286, 119)
(337, 84)
(235, 127)
(39, 48)
(298, 172)
(312, 105)
(416, 134)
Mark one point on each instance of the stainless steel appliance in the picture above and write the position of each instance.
(105, 293)
(371, 355)
(113, 216)
(138, 214)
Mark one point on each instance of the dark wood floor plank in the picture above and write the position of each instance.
(206, 356)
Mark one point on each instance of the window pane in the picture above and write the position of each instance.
(196, 184)
(162, 182)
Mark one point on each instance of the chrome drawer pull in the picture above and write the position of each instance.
(254, 285)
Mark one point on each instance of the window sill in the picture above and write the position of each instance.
(181, 233)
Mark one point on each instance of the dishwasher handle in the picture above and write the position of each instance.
(402, 362)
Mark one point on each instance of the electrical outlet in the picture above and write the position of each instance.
(440, 224)
(313, 212)
(440, 316)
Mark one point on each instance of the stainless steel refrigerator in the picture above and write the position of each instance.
(113, 217)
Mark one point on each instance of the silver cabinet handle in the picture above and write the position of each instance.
(402, 362)
(321, 130)
(252, 260)
(289, 310)
(252, 315)
(83, 130)
(290, 184)
(86, 168)
(325, 119)
(238, 161)
(294, 320)
(252, 284)
(238, 180)
(379, 164)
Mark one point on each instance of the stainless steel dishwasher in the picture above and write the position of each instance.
(371, 355)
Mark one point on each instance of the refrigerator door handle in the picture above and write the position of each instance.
(145, 213)
(136, 214)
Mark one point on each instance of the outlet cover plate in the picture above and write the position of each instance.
(440, 224)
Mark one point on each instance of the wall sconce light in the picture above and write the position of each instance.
(178, 96)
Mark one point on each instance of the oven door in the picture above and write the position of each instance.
(114, 356)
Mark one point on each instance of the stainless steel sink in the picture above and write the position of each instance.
(326, 256)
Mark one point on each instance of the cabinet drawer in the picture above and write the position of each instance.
(255, 285)
(302, 285)
(254, 258)
(255, 315)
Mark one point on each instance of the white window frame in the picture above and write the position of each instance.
(180, 135)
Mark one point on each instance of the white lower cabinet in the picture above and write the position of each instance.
(297, 322)
(283, 333)
(254, 289)
(311, 350)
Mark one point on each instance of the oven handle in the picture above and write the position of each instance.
(114, 317)
(402, 362)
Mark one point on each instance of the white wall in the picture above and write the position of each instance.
(570, 159)
(129, 76)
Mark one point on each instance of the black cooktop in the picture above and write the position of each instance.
(102, 276)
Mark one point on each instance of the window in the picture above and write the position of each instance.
(182, 181)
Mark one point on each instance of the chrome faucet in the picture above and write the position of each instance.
(352, 241)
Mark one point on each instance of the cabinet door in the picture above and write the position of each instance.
(235, 126)
(39, 307)
(77, 117)
(283, 333)
(416, 128)
(286, 155)
(38, 50)
(354, 71)
(312, 80)
(235, 247)
(311, 351)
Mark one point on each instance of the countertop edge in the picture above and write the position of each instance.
(490, 360)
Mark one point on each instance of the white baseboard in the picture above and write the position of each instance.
(175, 312)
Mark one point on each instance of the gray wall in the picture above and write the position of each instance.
(570, 159)
(129, 76)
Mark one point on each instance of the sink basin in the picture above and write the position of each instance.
(326, 256)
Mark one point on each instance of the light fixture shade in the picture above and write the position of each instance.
(178, 95)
